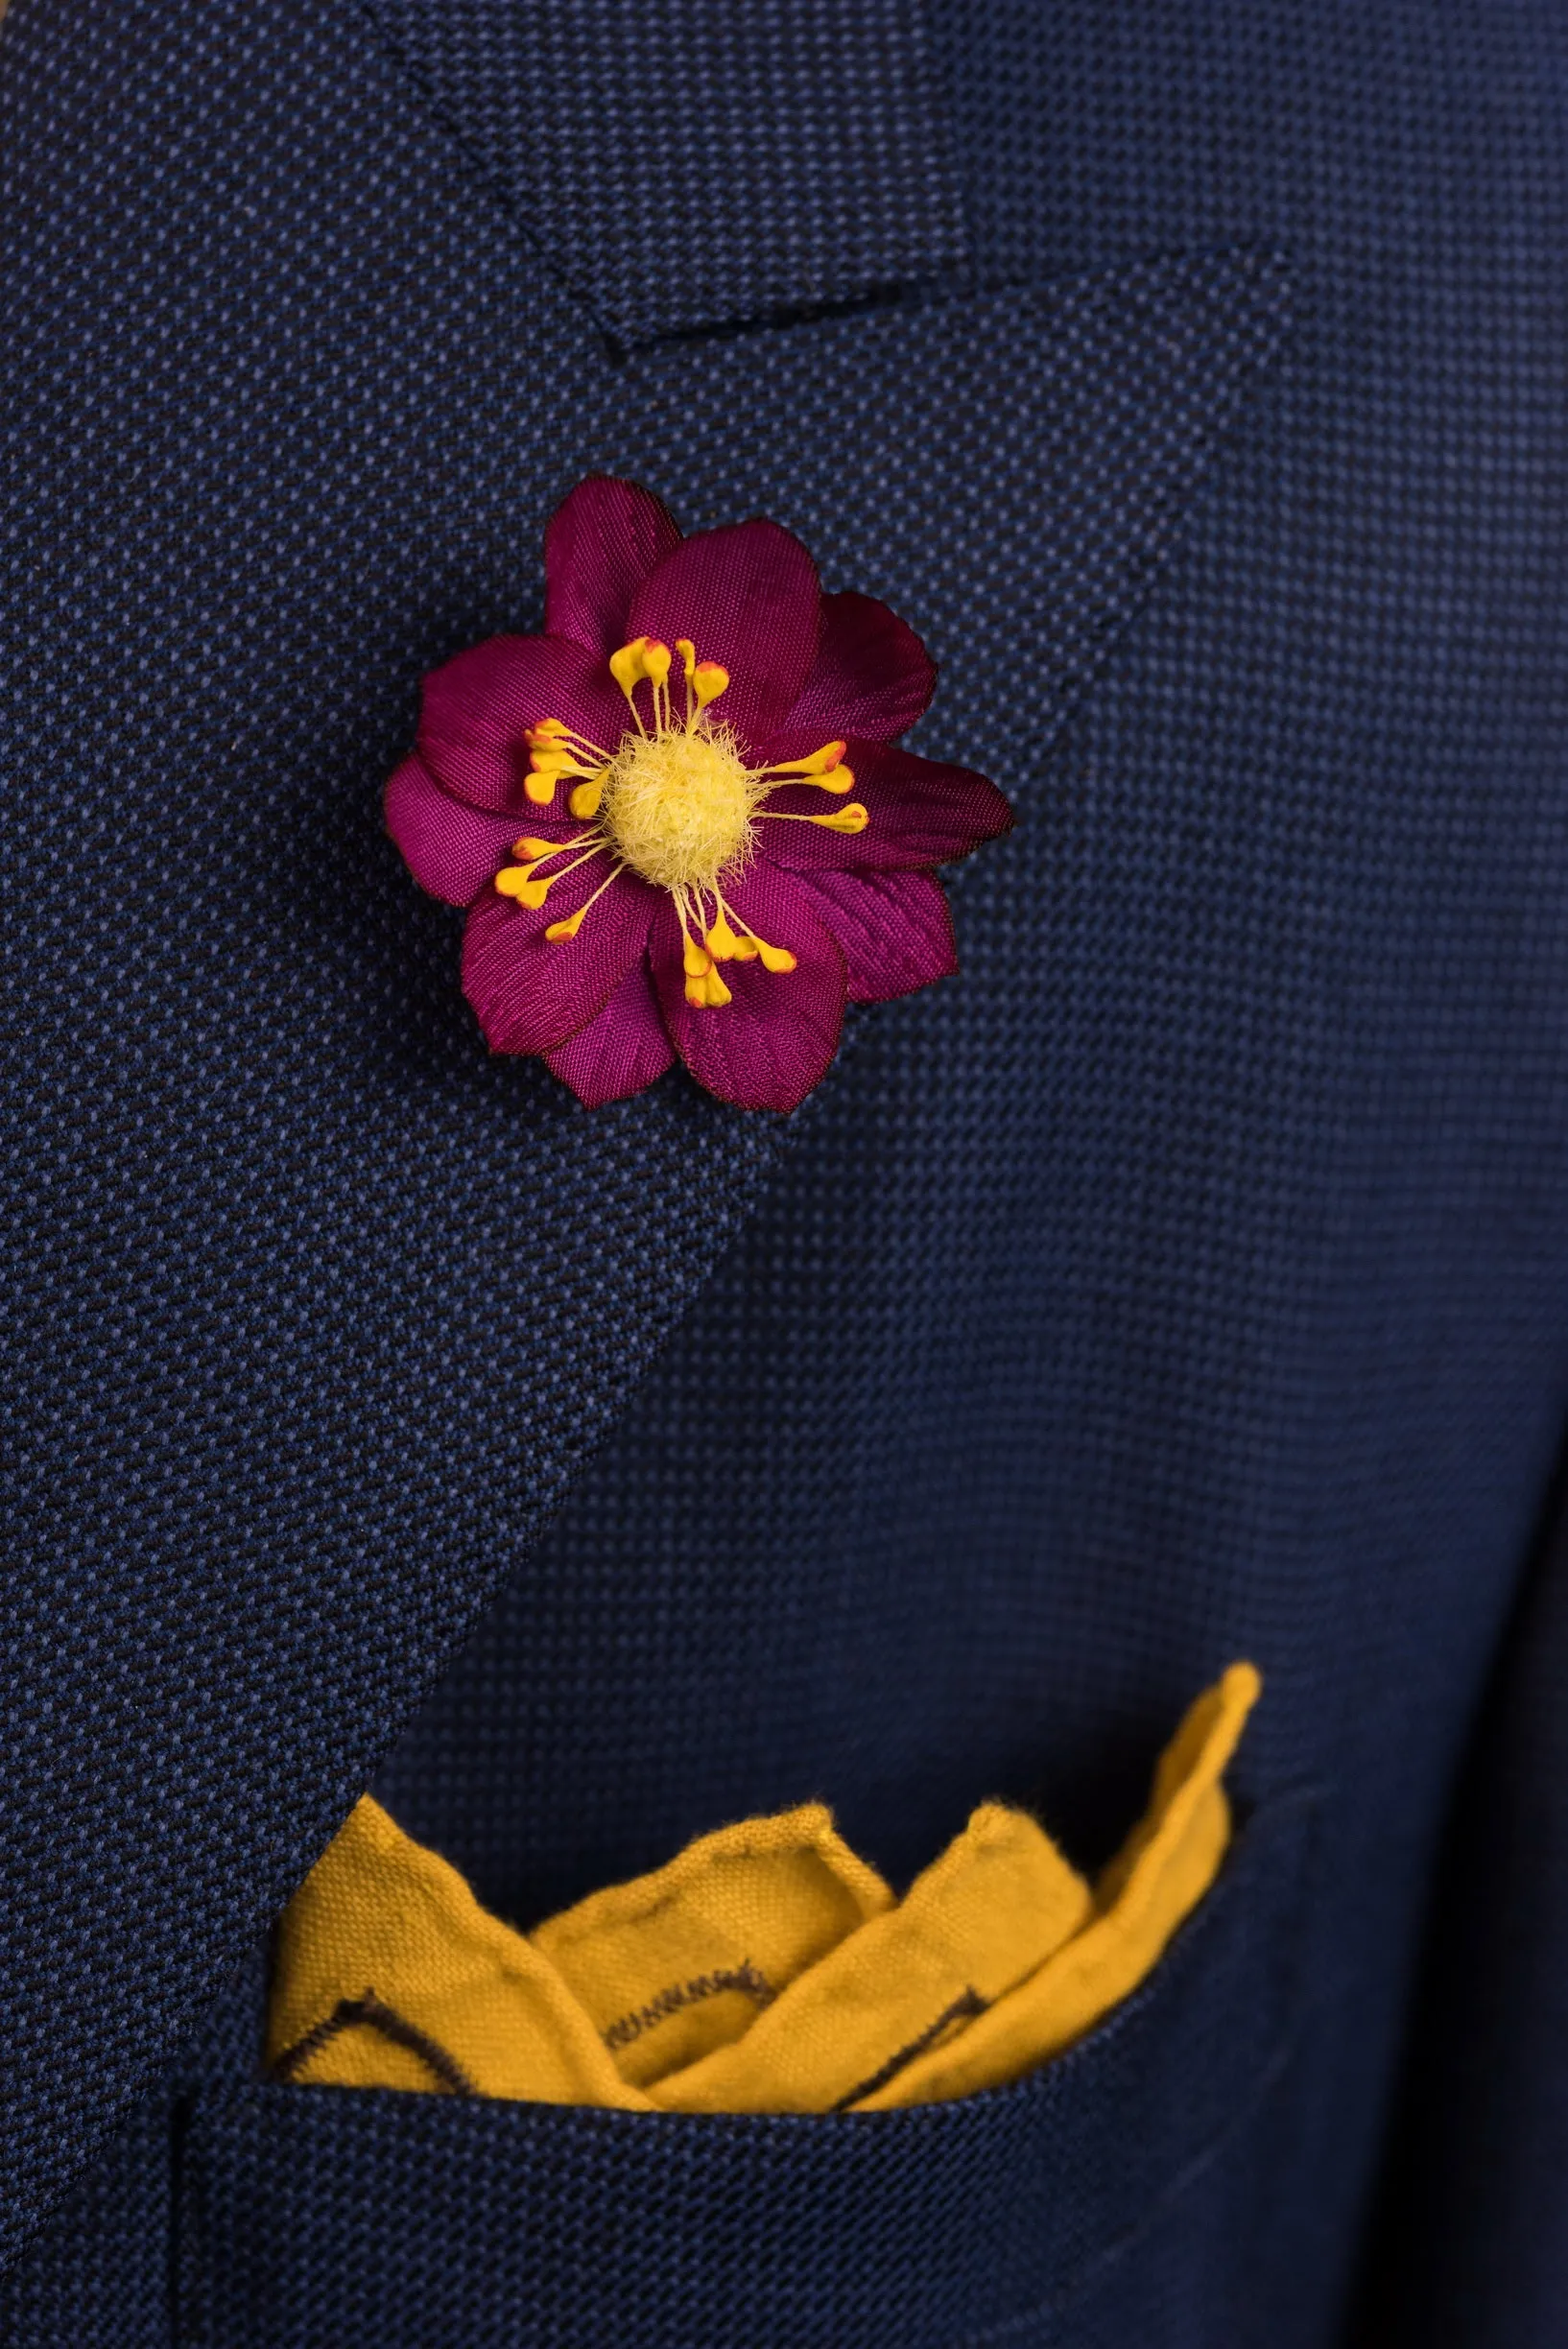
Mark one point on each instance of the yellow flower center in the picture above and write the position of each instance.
(674, 802)
(679, 806)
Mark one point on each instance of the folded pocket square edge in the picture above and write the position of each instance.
(766, 1969)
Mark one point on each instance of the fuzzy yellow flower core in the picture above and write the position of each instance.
(679, 806)
(675, 803)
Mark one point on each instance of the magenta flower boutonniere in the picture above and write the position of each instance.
(678, 817)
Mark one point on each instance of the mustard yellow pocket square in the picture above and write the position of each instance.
(766, 1969)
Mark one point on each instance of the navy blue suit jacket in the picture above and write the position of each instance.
(1187, 1279)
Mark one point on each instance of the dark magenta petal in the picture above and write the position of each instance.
(921, 814)
(748, 598)
(894, 929)
(871, 676)
(773, 1042)
(622, 1051)
(451, 848)
(531, 991)
(601, 544)
(477, 709)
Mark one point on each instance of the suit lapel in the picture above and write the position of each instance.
(318, 1309)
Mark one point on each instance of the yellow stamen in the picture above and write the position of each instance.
(517, 881)
(675, 803)
(726, 947)
(820, 762)
(546, 768)
(842, 779)
(556, 766)
(705, 680)
(626, 666)
(560, 744)
(704, 988)
(569, 927)
(850, 819)
(822, 771)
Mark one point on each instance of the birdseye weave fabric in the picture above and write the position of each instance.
(280, 1268)
(719, 165)
(1184, 1278)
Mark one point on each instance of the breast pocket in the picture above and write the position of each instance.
(369, 2219)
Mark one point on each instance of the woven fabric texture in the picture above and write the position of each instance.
(702, 166)
(331, 1305)
(1188, 1279)
(1472, 2237)
(502, 2223)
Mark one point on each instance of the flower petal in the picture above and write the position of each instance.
(622, 1051)
(748, 598)
(921, 814)
(477, 709)
(894, 929)
(451, 848)
(773, 1040)
(600, 543)
(871, 676)
(531, 991)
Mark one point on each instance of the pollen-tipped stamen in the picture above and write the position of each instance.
(556, 750)
(725, 945)
(644, 656)
(573, 923)
(676, 806)
(822, 769)
(555, 734)
(705, 680)
(694, 961)
(517, 880)
(536, 850)
(852, 819)
(625, 667)
(730, 939)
